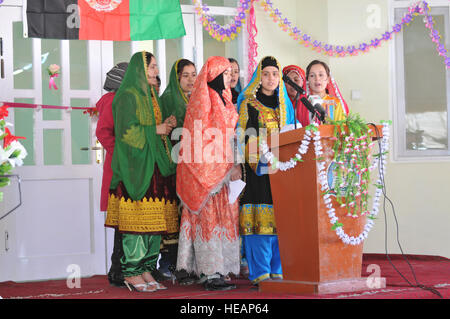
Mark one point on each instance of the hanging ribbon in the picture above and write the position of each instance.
(52, 83)
(53, 72)
(252, 45)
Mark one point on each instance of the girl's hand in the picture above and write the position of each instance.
(236, 173)
(172, 121)
(163, 129)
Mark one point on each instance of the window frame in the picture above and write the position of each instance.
(197, 58)
(400, 151)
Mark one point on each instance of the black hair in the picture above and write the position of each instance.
(232, 60)
(327, 68)
(269, 61)
(181, 64)
(148, 57)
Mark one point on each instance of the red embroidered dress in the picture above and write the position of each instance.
(209, 235)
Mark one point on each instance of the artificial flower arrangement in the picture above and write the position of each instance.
(92, 111)
(12, 152)
(352, 155)
(53, 72)
(354, 161)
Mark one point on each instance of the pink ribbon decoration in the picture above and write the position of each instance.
(252, 45)
(52, 83)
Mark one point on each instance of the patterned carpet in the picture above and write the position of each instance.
(432, 272)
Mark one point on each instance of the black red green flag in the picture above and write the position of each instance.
(116, 20)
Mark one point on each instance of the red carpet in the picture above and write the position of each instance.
(433, 272)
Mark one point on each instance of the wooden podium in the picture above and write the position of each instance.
(314, 260)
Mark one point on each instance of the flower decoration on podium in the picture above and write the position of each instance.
(354, 162)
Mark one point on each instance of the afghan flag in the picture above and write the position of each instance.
(116, 20)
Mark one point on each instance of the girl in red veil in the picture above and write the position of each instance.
(209, 235)
(298, 75)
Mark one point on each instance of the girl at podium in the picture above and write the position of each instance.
(263, 104)
(322, 89)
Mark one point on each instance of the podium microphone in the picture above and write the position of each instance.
(294, 85)
(319, 109)
(316, 109)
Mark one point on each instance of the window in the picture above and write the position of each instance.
(198, 45)
(422, 88)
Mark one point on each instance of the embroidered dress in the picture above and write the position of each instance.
(142, 203)
(333, 108)
(209, 236)
(257, 220)
(173, 102)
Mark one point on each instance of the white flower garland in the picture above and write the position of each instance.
(284, 166)
(322, 175)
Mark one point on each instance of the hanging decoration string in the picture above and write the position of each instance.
(219, 32)
(230, 31)
(252, 45)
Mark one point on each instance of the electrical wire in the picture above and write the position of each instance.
(386, 198)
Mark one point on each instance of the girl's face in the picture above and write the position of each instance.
(318, 80)
(297, 79)
(187, 79)
(270, 79)
(152, 72)
(227, 78)
(234, 74)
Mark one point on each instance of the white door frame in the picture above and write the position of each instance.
(22, 260)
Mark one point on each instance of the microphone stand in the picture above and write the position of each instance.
(315, 112)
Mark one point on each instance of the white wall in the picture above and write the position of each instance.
(420, 191)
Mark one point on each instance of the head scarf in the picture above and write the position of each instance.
(302, 112)
(218, 85)
(199, 176)
(333, 90)
(173, 99)
(115, 76)
(286, 110)
(269, 61)
(138, 148)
